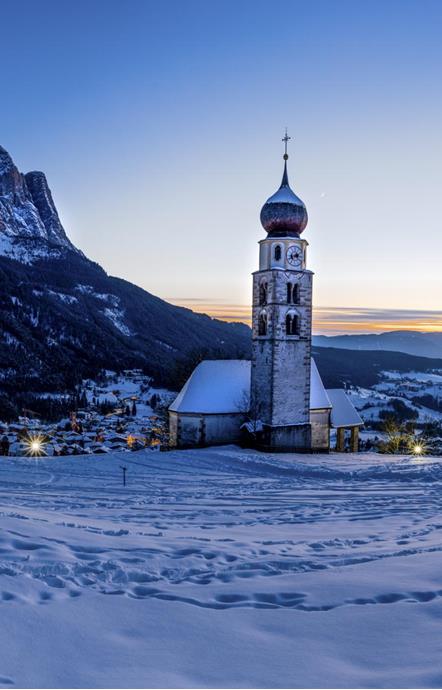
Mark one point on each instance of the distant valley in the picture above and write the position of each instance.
(410, 342)
(387, 385)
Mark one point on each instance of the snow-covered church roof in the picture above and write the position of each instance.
(222, 386)
(343, 413)
(319, 399)
(218, 386)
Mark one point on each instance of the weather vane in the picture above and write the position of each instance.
(286, 139)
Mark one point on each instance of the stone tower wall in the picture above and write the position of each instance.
(280, 383)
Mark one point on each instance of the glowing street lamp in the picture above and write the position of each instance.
(35, 446)
(418, 448)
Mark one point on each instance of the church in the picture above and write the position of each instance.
(277, 401)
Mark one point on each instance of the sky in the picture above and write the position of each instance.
(159, 127)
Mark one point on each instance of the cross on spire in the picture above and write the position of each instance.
(286, 139)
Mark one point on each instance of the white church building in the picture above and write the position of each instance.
(277, 400)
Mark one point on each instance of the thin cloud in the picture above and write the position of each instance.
(329, 320)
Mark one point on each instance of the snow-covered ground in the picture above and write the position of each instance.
(220, 568)
(408, 388)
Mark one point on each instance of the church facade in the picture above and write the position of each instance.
(278, 398)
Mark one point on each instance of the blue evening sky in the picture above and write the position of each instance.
(158, 125)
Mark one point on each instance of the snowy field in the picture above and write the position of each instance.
(220, 568)
(410, 388)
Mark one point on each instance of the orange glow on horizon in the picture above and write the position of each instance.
(331, 320)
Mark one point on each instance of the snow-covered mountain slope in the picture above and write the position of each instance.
(63, 317)
(342, 367)
(385, 384)
(30, 228)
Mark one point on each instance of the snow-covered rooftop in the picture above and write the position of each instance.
(343, 412)
(215, 387)
(318, 395)
(222, 386)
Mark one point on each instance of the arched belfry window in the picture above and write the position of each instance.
(292, 323)
(263, 293)
(289, 293)
(277, 252)
(262, 323)
(292, 293)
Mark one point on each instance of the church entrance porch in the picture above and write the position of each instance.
(347, 438)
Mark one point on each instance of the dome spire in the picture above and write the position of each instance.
(285, 177)
(285, 139)
(284, 214)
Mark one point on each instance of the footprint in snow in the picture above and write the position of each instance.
(8, 596)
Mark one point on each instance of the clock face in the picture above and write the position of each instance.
(294, 255)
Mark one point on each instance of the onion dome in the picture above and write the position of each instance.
(284, 214)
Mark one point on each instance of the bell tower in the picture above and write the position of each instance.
(282, 324)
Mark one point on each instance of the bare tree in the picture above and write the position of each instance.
(250, 413)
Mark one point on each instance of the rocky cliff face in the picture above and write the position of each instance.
(63, 317)
(29, 224)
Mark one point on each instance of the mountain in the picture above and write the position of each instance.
(410, 342)
(29, 224)
(62, 317)
(339, 368)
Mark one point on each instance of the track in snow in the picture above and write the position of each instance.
(218, 528)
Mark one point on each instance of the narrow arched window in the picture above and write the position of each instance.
(262, 324)
(288, 324)
(263, 293)
(295, 294)
(291, 324)
(277, 253)
(289, 293)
